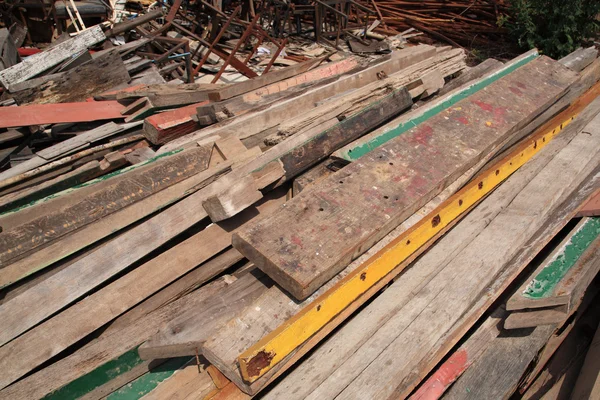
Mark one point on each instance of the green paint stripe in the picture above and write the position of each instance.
(360, 150)
(97, 377)
(149, 381)
(544, 282)
(91, 182)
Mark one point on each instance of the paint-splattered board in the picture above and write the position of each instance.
(325, 228)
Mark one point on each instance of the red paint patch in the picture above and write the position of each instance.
(483, 105)
(463, 120)
(521, 85)
(499, 113)
(445, 375)
(515, 90)
(422, 135)
(297, 241)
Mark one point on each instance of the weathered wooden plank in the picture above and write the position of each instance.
(339, 360)
(402, 124)
(476, 72)
(8, 51)
(252, 123)
(263, 80)
(187, 332)
(79, 175)
(360, 204)
(40, 62)
(424, 335)
(580, 58)
(79, 83)
(168, 125)
(48, 219)
(42, 114)
(186, 383)
(591, 208)
(543, 287)
(225, 347)
(92, 312)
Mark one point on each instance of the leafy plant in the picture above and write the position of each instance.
(556, 27)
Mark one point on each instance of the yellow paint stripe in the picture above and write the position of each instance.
(274, 347)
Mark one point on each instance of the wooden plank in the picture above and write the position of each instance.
(49, 219)
(79, 175)
(255, 122)
(166, 126)
(263, 80)
(481, 69)
(79, 83)
(338, 361)
(92, 312)
(37, 63)
(186, 383)
(42, 114)
(241, 195)
(580, 58)
(450, 150)
(187, 332)
(8, 52)
(401, 125)
(519, 349)
(312, 176)
(591, 208)
(575, 253)
(425, 338)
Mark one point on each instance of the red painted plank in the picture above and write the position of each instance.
(591, 208)
(39, 114)
(166, 126)
(443, 377)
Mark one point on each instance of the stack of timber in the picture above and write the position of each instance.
(333, 229)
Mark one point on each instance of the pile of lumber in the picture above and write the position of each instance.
(354, 228)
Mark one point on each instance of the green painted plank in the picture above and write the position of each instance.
(97, 377)
(353, 153)
(149, 381)
(91, 182)
(545, 281)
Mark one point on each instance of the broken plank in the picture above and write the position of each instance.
(309, 262)
(545, 287)
(79, 83)
(43, 114)
(39, 62)
(187, 331)
(476, 72)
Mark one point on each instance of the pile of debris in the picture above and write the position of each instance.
(340, 227)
